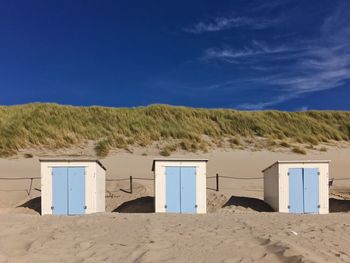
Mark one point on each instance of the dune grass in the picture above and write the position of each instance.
(298, 150)
(55, 126)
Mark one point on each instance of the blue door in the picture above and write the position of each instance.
(296, 195)
(76, 192)
(59, 191)
(172, 181)
(188, 190)
(303, 190)
(311, 195)
(68, 190)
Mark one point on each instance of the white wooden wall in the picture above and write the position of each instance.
(271, 187)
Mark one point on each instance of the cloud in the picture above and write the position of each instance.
(303, 108)
(311, 65)
(233, 56)
(267, 104)
(225, 23)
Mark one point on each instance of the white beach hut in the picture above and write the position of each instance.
(297, 186)
(72, 187)
(180, 185)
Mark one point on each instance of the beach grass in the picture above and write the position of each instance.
(55, 126)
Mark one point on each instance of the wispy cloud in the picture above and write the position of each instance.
(317, 64)
(229, 22)
(255, 49)
(303, 108)
(328, 68)
(267, 104)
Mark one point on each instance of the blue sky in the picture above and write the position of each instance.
(249, 55)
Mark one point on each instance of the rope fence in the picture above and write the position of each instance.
(28, 191)
(131, 181)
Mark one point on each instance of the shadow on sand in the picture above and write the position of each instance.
(34, 204)
(338, 205)
(249, 202)
(143, 204)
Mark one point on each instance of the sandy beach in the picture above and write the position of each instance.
(237, 228)
(117, 237)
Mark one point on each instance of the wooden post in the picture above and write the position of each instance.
(217, 182)
(130, 184)
(30, 187)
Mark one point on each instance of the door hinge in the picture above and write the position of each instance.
(318, 206)
(196, 206)
(85, 207)
(318, 173)
(52, 207)
(288, 206)
(288, 174)
(165, 206)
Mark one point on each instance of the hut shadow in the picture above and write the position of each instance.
(338, 205)
(34, 204)
(143, 204)
(249, 202)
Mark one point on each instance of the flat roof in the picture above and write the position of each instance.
(297, 161)
(176, 160)
(75, 160)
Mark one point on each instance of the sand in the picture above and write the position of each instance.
(117, 237)
(237, 228)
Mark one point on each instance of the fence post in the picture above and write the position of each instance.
(130, 184)
(217, 182)
(30, 187)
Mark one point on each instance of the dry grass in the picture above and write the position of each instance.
(285, 144)
(102, 148)
(55, 126)
(323, 149)
(168, 149)
(298, 150)
(234, 142)
(28, 155)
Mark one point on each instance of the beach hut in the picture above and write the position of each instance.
(72, 187)
(297, 186)
(180, 185)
